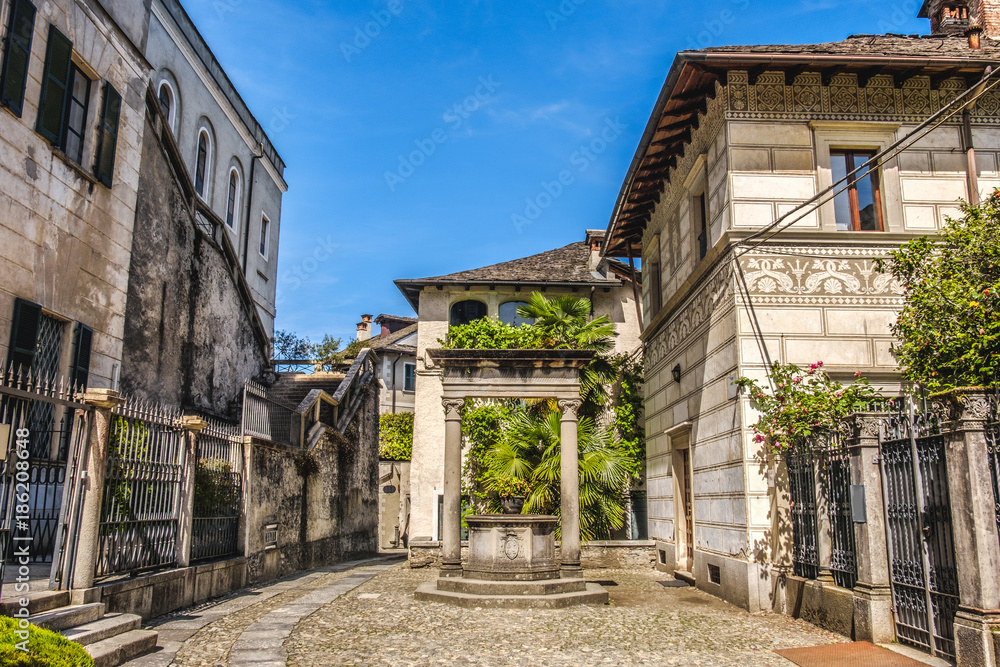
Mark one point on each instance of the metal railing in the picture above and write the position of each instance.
(141, 503)
(350, 393)
(993, 451)
(218, 492)
(265, 418)
(802, 488)
(836, 481)
(310, 366)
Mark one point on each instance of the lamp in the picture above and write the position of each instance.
(676, 373)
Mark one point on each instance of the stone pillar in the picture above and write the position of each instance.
(569, 456)
(249, 521)
(974, 526)
(192, 425)
(87, 543)
(451, 543)
(873, 591)
(780, 544)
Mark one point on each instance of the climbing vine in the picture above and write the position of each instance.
(395, 436)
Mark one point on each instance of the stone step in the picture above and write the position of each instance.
(488, 587)
(121, 648)
(38, 601)
(69, 617)
(99, 630)
(594, 594)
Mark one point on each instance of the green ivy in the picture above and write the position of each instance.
(949, 326)
(628, 427)
(395, 436)
(803, 402)
(483, 427)
(214, 492)
(489, 333)
(45, 648)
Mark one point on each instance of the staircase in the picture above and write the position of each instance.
(110, 639)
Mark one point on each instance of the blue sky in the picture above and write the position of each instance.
(415, 130)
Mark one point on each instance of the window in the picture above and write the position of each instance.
(859, 207)
(16, 54)
(79, 368)
(107, 144)
(232, 201)
(655, 281)
(56, 85)
(202, 163)
(76, 114)
(508, 314)
(464, 312)
(35, 342)
(409, 377)
(265, 230)
(701, 224)
(166, 97)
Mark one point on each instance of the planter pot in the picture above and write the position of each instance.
(512, 504)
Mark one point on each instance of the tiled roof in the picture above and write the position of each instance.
(930, 46)
(388, 343)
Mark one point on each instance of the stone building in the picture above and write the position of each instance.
(739, 137)
(495, 291)
(396, 346)
(73, 103)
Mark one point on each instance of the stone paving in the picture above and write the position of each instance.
(363, 613)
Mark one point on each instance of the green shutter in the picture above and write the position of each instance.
(16, 54)
(79, 370)
(23, 336)
(108, 143)
(55, 86)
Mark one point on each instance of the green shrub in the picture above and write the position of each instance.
(395, 436)
(489, 333)
(214, 491)
(45, 648)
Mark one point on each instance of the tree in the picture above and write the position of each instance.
(327, 351)
(565, 323)
(288, 345)
(949, 326)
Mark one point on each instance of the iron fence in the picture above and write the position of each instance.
(836, 459)
(993, 450)
(920, 542)
(802, 487)
(218, 492)
(265, 418)
(141, 503)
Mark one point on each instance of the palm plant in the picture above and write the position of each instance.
(530, 450)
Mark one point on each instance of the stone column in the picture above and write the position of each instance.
(570, 489)
(873, 590)
(974, 526)
(451, 543)
(192, 425)
(780, 543)
(87, 543)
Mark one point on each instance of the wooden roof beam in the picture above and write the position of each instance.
(674, 139)
(831, 72)
(694, 122)
(865, 76)
(753, 74)
(900, 78)
(696, 106)
(941, 77)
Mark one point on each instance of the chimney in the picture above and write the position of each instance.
(365, 328)
(956, 18)
(595, 239)
(985, 15)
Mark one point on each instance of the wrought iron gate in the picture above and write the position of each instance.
(993, 449)
(918, 517)
(802, 487)
(843, 556)
(218, 492)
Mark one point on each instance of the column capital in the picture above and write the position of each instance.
(971, 407)
(193, 423)
(569, 407)
(103, 399)
(453, 407)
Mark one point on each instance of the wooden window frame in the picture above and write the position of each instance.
(24, 11)
(852, 190)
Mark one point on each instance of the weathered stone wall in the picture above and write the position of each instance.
(188, 337)
(599, 554)
(327, 515)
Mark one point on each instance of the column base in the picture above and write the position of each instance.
(451, 569)
(873, 613)
(976, 643)
(571, 571)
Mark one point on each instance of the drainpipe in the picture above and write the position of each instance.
(635, 283)
(970, 154)
(246, 229)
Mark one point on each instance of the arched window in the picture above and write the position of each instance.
(166, 100)
(202, 164)
(233, 199)
(464, 312)
(508, 314)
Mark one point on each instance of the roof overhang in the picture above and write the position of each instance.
(411, 288)
(691, 83)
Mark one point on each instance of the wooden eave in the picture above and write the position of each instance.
(684, 97)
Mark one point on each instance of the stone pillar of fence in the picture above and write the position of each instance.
(780, 538)
(88, 540)
(247, 522)
(974, 525)
(873, 590)
(192, 425)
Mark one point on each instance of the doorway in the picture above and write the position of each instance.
(684, 502)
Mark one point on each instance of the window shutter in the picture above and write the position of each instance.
(79, 370)
(55, 86)
(23, 336)
(16, 55)
(108, 144)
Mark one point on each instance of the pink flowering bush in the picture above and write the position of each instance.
(803, 402)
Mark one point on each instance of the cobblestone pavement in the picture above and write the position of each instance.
(363, 613)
